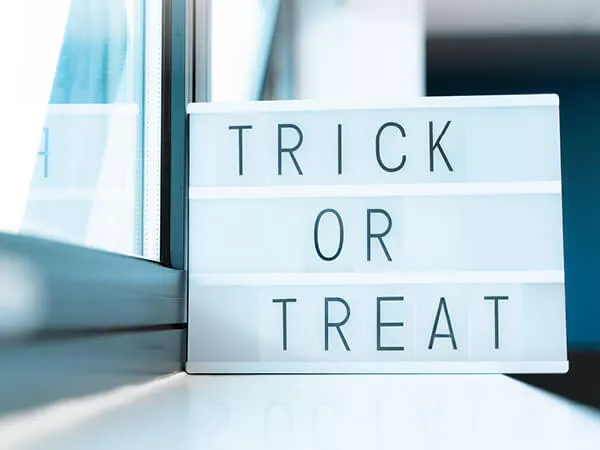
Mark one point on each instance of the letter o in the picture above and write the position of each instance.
(316, 234)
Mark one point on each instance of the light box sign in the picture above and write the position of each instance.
(424, 237)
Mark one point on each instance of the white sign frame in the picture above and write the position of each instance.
(554, 276)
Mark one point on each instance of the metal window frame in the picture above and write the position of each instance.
(107, 319)
(174, 177)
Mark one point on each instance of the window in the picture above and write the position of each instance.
(81, 156)
(92, 152)
(240, 45)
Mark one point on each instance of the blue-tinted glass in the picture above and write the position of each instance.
(99, 132)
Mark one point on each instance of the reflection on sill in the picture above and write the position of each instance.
(345, 412)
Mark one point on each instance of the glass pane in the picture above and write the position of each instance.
(239, 47)
(85, 139)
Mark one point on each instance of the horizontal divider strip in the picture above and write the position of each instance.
(374, 367)
(375, 190)
(345, 278)
(77, 194)
(471, 101)
(81, 109)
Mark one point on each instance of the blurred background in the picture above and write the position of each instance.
(86, 91)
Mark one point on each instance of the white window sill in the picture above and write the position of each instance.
(301, 412)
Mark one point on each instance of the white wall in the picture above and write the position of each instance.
(358, 49)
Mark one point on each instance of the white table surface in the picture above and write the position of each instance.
(317, 412)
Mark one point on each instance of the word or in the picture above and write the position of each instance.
(370, 233)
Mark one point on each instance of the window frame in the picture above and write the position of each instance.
(111, 319)
(174, 125)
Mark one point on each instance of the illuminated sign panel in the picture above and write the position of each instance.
(424, 237)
